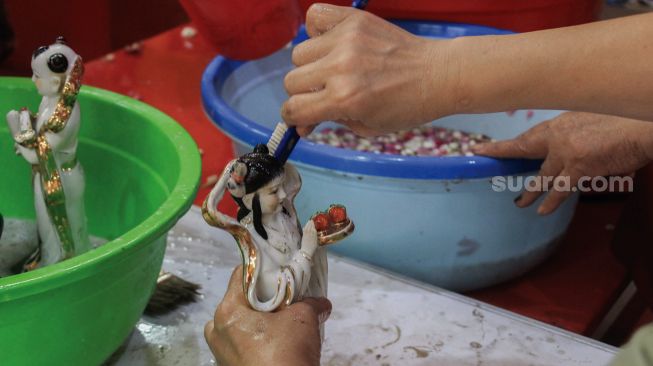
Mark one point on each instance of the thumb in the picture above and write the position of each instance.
(360, 129)
(320, 18)
(304, 131)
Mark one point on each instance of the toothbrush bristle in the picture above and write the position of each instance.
(276, 137)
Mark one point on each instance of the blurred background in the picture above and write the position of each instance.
(101, 26)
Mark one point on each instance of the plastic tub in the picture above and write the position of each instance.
(436, 219)
(142, 172)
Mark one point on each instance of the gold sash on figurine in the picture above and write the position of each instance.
(247, 252)
(53, 192)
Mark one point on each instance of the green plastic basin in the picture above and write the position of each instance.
(142, 173)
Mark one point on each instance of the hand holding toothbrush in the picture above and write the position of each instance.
(362, 71)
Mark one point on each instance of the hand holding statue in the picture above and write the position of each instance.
(239, 335)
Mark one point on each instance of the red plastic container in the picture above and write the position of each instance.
(245, 30)
(515, 15)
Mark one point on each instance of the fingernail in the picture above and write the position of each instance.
(542, 211)
(282, 110)
(517, 199)
(322, 318)
(320, 7)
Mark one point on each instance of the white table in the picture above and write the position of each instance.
(378, 318)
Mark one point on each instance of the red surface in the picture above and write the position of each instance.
(516, 15)
(572, 290)
(92, 28)
(245, 30)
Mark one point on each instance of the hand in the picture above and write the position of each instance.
(309, 238)
(575, 145)
(364, 72)
(241, 336)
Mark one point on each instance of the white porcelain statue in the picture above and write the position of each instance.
(282, 263)
(48, 141)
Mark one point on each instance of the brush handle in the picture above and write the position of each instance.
(286, 145)
(359, 4)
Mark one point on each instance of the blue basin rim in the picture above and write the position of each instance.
(354, 162)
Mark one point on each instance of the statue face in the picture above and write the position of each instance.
(47, 86)
(271, 196)
(50, 64)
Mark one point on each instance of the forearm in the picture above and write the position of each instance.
(604, 67)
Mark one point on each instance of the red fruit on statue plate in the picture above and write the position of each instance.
(337, 213)
(321, 221)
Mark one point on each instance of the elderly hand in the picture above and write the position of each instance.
(366, 73)
(576, 145)
(238, 335)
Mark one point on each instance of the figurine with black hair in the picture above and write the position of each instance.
(282, 263)
(47, 140)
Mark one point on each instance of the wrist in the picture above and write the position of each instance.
(474, 78)
(493, 74)
(293, 355)
(441, 79)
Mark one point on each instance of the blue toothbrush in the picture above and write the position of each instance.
(282, 141)
(359, 4)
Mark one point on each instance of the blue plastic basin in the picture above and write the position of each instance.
(436, 219)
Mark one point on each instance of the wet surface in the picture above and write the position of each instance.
(377, 318)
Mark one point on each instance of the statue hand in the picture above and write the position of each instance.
(13, 120)
(236, 181)
(25, 119)
(309, 238)
(239, 335)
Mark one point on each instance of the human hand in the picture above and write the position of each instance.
(239, 335)
(576, 145)
(366, 73)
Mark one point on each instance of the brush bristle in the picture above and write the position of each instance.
(171, 292)
(279, 130)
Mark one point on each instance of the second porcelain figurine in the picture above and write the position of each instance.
(282, 262)
(48, 141)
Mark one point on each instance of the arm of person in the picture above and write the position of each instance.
(602, 67)
(576, 146)
(240, 336)
(376, 78)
